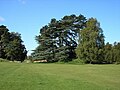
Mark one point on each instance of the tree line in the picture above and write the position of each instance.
(71, 37)
(75, 37)
(11, 47)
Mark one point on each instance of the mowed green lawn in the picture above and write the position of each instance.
(17, 76)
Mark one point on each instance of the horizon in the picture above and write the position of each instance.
(27, 17)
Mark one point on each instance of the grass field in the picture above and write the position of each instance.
(16, 76)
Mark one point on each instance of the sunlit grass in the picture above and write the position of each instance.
(17, 76)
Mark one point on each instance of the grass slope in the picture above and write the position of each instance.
(16, 76)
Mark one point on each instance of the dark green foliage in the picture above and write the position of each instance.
(112, 53)
(58, 40)
(108, 53)
(11, 46)
(116, 52)
(62, 54)
(74, 36)
(3, 40)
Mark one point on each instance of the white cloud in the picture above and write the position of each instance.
(2, 19)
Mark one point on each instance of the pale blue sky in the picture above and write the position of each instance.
(28, 16)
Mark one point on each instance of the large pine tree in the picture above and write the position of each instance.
(58, 40)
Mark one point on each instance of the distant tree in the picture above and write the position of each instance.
(116, 52)
(108, 53)
(15, 50)
(91, 43)
(112, 53)
(11, 45)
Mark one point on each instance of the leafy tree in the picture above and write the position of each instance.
(4, 35)
(91, 43)
(108, 53)
(112, 53)
(11, 46)
(15, 50)
(116, 52)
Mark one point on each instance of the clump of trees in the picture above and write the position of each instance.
(112, 53)
(71, 37)
(75, 37)
(11, 47)
(91, 47)
(58, 40)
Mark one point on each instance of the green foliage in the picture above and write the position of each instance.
(3, 40)
(11, 46)
(91, 43)
(62, 54)
(74, 36)
(116, 52)
(112, 53)
(108, 53)
(58, 40)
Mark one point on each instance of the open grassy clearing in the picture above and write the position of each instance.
(17, 76)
